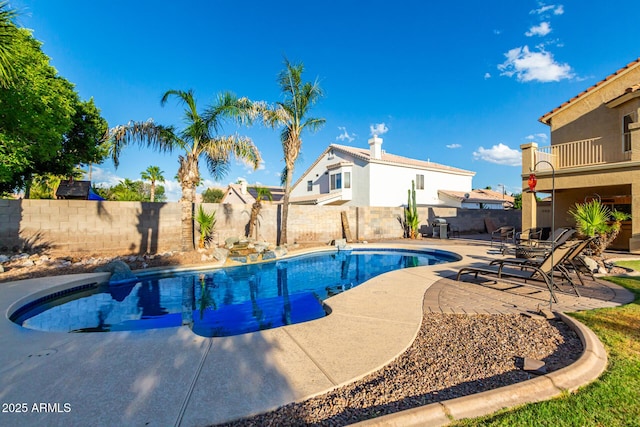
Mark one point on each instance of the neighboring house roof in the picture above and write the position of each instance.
(365, 154)
(316, 199)
(547, 117)
(72, 189)
(479, 196)
(391, 159)
(249, 196)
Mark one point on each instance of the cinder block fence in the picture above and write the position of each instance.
(134, 227)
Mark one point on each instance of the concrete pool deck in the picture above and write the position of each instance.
(174, 377)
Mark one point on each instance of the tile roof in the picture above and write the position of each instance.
(479, 196)
(624, 69)
(365, 154)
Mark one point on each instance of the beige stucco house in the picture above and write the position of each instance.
(594, 153)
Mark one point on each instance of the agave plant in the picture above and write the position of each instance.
(593, 219)
(207, 222)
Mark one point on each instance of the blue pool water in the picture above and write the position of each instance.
(222, 302)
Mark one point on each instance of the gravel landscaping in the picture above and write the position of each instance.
(452, 356)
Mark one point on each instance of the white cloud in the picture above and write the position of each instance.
(539, 136)
(551, 8)
(172, 190)
(487, 76)
(345, 135)
(104, 178)
(534, 66)
(500, 154)
(378, 129)
(539, 30)
(454, 146)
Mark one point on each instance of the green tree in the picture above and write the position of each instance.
(7, 44)
(212, 195)
(517, 201)
(153, 174)
(291, 116)
(262, 193)
(44, 127)
(198, 140)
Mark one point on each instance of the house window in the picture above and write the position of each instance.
(347, 180)
(419, 182)
(309, 185)
(626, 134)
(336, 181)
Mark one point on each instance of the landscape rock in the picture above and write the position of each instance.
(220, 254)
(280, 251)
(230, 241)
(120, 272)
(534, 366)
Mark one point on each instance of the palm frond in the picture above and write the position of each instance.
(160, 137)
(217, 153)
(8, 35)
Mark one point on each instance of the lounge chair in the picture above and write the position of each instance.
(538, 248)
(524, 236)
(503, 234)
(570, 261)
(524, 273)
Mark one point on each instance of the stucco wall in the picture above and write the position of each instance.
(133, 227)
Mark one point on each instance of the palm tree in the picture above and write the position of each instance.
(262, 193)
(291, 114)
(8, 33)
(198, 140)
(153, 174)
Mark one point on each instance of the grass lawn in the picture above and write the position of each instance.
(613, 399)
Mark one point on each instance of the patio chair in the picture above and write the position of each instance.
(503, 235)
(538, 248)
(527, 235)
(524, 273)
(570, 261)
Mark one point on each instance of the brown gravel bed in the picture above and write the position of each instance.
(452, 356)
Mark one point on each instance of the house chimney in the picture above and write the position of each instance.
(243, 186)
(375, 147)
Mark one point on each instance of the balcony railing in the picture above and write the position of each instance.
(587, 152)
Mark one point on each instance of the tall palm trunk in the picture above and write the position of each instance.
(153, 191)
(285, 205)
(189, 179)
(253, 220)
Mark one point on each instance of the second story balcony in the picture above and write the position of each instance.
(587, 152)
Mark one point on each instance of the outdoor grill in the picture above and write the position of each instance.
(439, 226)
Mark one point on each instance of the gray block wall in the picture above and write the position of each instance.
(135, 227)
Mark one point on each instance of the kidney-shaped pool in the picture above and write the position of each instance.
(224, 301)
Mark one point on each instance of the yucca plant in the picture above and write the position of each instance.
(593, 219)
(207, 222)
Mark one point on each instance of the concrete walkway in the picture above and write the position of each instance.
(173, 377)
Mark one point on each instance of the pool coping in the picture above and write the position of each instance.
(590, 365)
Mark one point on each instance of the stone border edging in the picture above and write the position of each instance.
(589, 366)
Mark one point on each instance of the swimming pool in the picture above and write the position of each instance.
(221, 302)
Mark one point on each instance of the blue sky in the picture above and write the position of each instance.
(460, 83)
